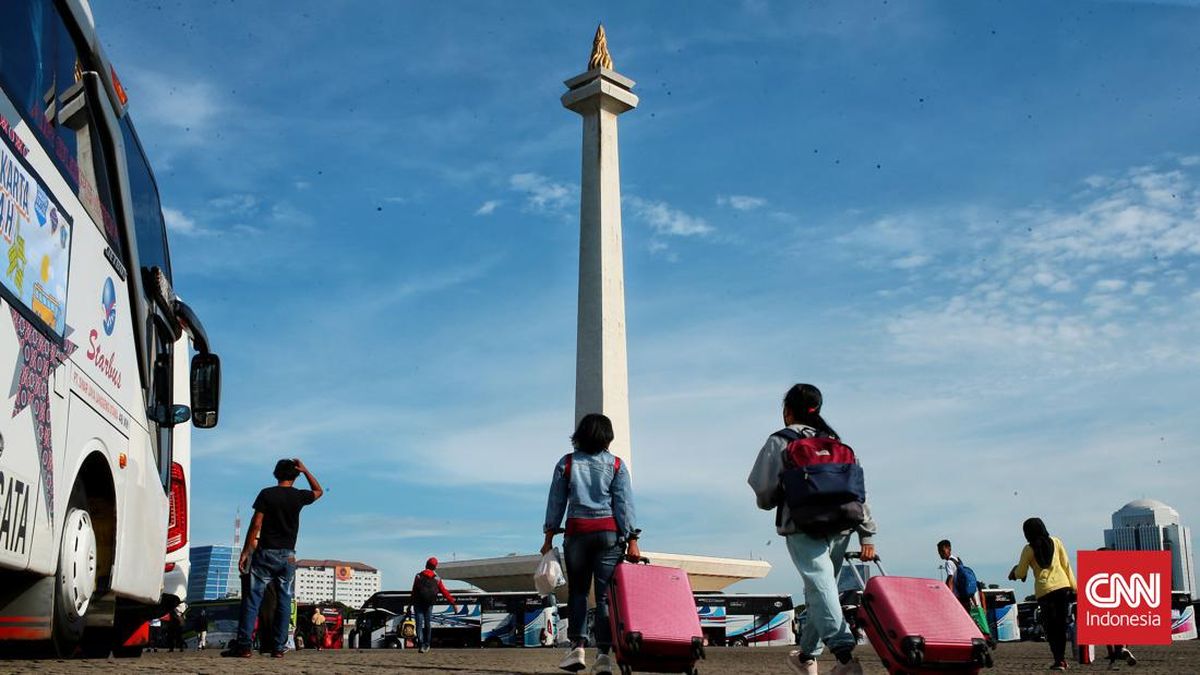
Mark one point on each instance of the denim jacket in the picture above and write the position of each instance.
(597, 489)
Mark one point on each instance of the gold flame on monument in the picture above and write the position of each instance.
(600, 56)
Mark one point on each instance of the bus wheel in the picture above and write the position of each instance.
(76, 578)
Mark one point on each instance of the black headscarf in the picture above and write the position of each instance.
(1039, 539)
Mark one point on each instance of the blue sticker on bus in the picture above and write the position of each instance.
(108, 302)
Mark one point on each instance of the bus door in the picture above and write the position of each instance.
(711, 610)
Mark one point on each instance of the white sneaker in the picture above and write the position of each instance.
(603, 665)
(800, 664)
(851, 667)
(574, 661)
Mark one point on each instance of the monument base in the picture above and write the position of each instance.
(514, 573)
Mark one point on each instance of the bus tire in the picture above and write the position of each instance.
(75, 580)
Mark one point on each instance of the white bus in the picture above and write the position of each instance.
(94, 445)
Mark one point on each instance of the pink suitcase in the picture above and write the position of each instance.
(918, 627)
(655, 626)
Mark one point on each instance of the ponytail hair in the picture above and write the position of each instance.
(804, 401)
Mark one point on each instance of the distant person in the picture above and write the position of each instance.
(269, 555)
(816, 550)
(156, 633)
(426, 588)
(319, 631)
(202, 630)
(959, 578)
(1053, 584)
(1118, 653)
(591, 488)
(174, 631)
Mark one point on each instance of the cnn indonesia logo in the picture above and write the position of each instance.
(1125, 598)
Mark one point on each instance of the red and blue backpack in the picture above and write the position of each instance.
(823, 484)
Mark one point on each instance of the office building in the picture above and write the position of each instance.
(349, 583)
(213, 573)
(1150, 525)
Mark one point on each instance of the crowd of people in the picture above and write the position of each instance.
(591, 490)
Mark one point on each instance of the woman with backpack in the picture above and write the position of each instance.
(816, 539)
(591, 487)
(1053, 584)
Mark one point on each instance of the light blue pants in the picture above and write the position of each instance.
(819, 559)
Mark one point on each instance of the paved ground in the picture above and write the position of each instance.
(1180, 658)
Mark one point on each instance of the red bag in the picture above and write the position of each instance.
(655, 626)
(918, 627)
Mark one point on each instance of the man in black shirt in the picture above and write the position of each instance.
(269, 555)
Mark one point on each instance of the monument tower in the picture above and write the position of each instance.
(600, 95)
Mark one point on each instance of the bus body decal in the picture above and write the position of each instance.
(37, 360)
(14, 513)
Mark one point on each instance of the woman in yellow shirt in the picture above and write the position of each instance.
(1053, 584)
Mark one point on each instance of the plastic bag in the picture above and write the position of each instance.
(549, 574)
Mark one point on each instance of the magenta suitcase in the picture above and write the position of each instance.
(918, 627)
(655, 626)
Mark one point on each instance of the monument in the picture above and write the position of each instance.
(599, 95)
(601, 372)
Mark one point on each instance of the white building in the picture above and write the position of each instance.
(349, 583)
(1150, 525)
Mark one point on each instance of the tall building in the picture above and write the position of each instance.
(1150, 525)
(349, 583)
(213, 573)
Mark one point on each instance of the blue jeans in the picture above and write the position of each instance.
(819, 559)
(423, 615)
(590, 559)
(269, 565)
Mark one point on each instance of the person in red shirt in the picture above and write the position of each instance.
(427, 586)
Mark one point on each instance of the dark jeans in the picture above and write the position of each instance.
(1055, 606)
(590, 559)
(423, 615)
(269, 566)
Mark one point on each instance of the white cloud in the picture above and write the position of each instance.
(741, 202)
(543, 194)
(488, 207)
(1074, 287)
(179, 223)
(911, 261)
(184, 103)
(667, 220)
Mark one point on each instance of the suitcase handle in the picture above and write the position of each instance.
(855, 555)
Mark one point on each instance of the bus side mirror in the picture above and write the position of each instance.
(206, 390)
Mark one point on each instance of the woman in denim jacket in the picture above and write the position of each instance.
(591, 488)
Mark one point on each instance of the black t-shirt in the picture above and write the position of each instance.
(280, 507)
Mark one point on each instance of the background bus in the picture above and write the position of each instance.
(377, 623)
(94, 473)
(483, 619)
(335, 625)
(744, 620)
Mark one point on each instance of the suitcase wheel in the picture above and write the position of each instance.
(913, 647)
(634, 642)
(698, 648)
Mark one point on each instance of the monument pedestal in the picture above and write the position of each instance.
(515, 573)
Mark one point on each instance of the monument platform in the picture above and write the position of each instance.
(515, 572)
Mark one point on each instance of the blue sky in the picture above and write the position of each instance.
(976, 226)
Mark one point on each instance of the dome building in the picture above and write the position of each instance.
(1150, 525)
